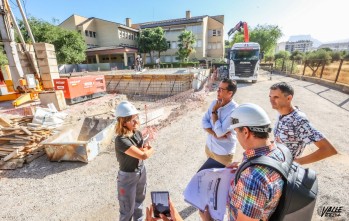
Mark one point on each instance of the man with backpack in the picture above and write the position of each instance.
(257, 192)
(268, 185)
(293, 128)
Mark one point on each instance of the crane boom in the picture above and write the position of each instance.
(238, 27)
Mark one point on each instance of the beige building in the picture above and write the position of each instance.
(107, 42)
(208, 30)
(111, 42)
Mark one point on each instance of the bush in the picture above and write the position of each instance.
(287, 65)
(268, 58)
(346, 56)
(282, 54)
(336, 55)
(297, 55)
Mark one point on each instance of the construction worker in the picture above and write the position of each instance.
(131, 151)
(221, 142)
(293, 128)
(259, 188)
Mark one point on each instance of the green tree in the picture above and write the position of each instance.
(266, 35)
(297, 55)
(317, 58)
(346, 55)
(227, 44)
(151, 40)
(144, 41)
(284, 56)
(160, 42)
(321, 54)
(268, 57)
(3, 57)
(70, 51)
(185, 47)
(327, 49)
(336, 55)
(70, 45)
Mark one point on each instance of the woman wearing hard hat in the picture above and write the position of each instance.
(130, 152)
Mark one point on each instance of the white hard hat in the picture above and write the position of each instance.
(125, 109)
(250, 115)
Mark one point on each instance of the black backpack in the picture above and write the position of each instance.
(300, 188)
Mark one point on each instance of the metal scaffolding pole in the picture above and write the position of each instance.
(25, 21)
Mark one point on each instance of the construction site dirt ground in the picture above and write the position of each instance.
(44, 190)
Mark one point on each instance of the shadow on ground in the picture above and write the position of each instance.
(185, 213)
(323, 91)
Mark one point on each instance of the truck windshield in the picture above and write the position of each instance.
(245, 55)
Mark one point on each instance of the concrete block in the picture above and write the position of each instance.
(49, 76)
(55, 97)
(29, 47)
(45, 54)
(47, 62)
(49, 69)
(44, 46)
(48, 84)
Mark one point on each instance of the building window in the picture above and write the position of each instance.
(90, 33)
(174, 44)
(86, 33)
(94, 34)
(216, 32)
(199, 43)
(168, 44)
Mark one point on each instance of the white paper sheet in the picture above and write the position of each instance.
(210, 187)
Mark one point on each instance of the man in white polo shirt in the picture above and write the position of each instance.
(221, 142)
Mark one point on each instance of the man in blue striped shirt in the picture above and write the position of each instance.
(221, 142)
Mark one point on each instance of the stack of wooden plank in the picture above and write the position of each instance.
(20, 141)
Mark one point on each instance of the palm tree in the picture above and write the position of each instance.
(186, 41)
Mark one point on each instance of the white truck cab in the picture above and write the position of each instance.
(244, 61)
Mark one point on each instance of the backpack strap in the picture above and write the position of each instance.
(287, 153)
(281, 167)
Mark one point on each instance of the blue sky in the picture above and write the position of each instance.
(322, 19)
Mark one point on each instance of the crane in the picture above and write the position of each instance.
(244, 57)
(19, 86)
(238, 27)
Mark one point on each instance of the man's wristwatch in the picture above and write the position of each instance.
(214, 112)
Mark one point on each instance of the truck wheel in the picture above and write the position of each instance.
(254, 81)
